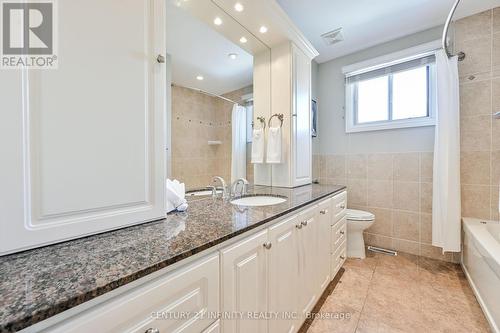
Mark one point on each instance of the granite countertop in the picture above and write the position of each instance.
(40, 283)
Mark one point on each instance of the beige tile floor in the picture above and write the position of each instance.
(384, 294)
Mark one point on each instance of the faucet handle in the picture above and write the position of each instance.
(244, 184)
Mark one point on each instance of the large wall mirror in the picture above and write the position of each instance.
(219, 84)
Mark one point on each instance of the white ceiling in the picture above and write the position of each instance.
(197, 49)
(367, 23)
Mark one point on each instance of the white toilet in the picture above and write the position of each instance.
(357, 222)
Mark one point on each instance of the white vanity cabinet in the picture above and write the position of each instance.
(281, 270)
(266, 282)
(309, 264)
(283, 273)
(325, 217)
(183, 301)
(83, 145)
(244, 281)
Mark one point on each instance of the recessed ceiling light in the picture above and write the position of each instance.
(199, 78)
(243, 40)
(232, 55)
(263, 29)
(238, 7)
(217, 21)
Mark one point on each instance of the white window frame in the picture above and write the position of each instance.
(385, 61)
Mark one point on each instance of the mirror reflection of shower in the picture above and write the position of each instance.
(210, 135)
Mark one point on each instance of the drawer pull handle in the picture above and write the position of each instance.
(152, 330)
(267, 245)
(342, 232)
(298, 226)
(342, 257)
(324, 211)
(304, 223)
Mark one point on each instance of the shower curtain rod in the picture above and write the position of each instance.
(461, 55)
(206, 93)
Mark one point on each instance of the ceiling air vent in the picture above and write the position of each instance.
(333, 37)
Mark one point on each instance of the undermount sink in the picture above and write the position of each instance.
(258, 200)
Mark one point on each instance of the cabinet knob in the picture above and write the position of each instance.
(304, 223)
(267, 245)
(342, 206)
(152, 330)
(298, 226)
(342, 232)
(342, 257)
(161, 60)
(324, 211)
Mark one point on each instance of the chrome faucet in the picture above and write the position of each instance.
(244, 184)
(224, 187)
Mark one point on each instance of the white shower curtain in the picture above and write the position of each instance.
(446, 209)
(239, 143)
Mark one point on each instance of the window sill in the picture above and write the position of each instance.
(351, 128)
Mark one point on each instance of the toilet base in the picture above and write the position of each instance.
(356, 245)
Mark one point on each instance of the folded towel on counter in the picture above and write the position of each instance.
(176, 196)
(274, 142)
(258, 146)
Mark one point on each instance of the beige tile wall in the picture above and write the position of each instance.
(397, 188)
(479, 37)
(196, 119)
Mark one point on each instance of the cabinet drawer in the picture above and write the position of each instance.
(338, 259)
(169, 303)
(339, 207)
(339, 234)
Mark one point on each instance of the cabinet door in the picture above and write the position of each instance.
(244, 284)
(301, 107)
(324, 230)
(85, 147)
(308, 261)
(283, 275)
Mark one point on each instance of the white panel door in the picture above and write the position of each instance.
(301, 134)
(283, 275)
(308, 261)
(244, 284)
(84, 149)
(324, 230)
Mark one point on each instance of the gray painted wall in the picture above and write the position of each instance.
(328, 87)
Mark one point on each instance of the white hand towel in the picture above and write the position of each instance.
(274, 153)
(175, 195)
(258, 146)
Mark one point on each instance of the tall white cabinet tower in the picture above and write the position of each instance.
(291, 96)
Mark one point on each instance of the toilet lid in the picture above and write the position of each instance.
(359, 215)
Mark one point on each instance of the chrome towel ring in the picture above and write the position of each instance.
(280, 116)
(262, 121)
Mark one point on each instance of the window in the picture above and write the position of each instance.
(395, 95)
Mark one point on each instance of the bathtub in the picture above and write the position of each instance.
(481, 264)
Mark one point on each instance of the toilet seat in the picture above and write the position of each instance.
(359, 215)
